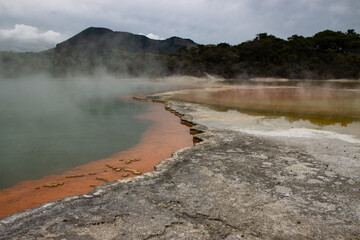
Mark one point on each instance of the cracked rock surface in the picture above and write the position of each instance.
(230, 186)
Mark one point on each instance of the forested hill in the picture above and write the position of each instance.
(102, 40)
(327, 54)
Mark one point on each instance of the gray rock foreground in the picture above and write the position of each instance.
(229, 186)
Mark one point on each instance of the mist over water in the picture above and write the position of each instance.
(322, 110)
(51, 125)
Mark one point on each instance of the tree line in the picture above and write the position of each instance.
(327, 54)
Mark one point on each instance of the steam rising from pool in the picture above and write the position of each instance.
(286, 111)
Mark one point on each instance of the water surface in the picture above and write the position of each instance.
(275, 108)
(48, 126)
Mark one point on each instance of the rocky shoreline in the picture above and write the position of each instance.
(231, 185)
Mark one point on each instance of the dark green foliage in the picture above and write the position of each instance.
(327, 54)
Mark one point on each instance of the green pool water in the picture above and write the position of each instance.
(51, 125)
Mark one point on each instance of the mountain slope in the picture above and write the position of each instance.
(103, 39)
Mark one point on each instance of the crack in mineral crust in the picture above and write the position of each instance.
(230, 186)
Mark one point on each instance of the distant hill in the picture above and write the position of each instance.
(327, 54)
(103, 39)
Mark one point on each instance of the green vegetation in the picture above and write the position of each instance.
(327, 54)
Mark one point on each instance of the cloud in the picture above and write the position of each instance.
(204, 21)
(27, 38)
(152, 36)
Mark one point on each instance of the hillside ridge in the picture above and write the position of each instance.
(103, 39)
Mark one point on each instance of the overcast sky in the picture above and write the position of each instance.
(33, 25)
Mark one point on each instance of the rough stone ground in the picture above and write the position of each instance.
(229, 186)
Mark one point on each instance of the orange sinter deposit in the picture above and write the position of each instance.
(165, 136)
(315, 104)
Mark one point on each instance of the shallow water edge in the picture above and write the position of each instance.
(164, 136)
(230, 186)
